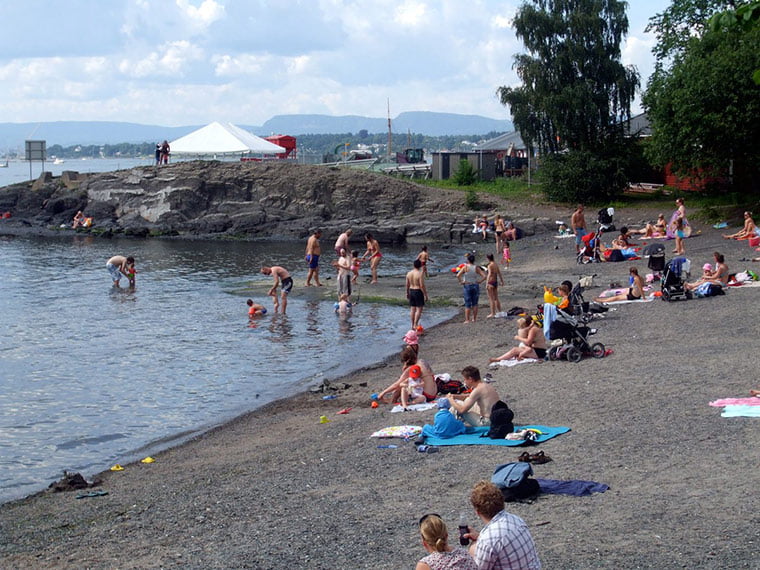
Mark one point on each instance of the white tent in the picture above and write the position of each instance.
(223, 138)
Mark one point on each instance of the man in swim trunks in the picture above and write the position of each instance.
(416, 292)
(342, 241)
(578, 226)
(281, 277)
(119, 265)
(474, 408)
(313, 251)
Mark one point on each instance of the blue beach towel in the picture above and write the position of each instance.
(741, 410)
(573, 487)
(471, 436)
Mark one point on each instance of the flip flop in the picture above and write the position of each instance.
(524, 456)
(344, 411)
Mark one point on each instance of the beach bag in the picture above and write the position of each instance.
(501, 421)
(515, 311)
(447, 385)
(515, 482)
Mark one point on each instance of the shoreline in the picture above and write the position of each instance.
(274, 488)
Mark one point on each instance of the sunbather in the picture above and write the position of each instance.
(634, 293)
(749, 230)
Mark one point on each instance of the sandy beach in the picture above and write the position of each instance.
(276, 489)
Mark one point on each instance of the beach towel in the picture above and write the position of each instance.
(573, 487)
(404, 432)
(414, 407)
(511, 362)
(751, 401)
(741, 411)
(472, 436)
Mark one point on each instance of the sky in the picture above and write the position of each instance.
(190, 62)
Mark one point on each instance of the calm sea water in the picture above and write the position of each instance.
(91, 375)
(18, 170)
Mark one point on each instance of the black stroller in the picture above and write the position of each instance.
(672, 282)
(575, 335)
(604, 219)
(656, 254)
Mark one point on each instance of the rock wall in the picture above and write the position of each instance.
(248, 200)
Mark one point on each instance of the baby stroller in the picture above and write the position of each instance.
(604, 219)
(672, 282)
(574, 336)
(589, 252)
(656, 254)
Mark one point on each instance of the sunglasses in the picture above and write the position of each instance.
(425, 517)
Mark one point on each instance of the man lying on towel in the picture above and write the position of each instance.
(474, 408)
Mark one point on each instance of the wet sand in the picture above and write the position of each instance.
(277, 489)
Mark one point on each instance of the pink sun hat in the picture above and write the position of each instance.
(411, 338)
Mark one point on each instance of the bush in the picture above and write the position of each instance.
(471, 198)
(465, 174)
(583, 176)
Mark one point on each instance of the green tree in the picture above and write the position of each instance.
(705, 109)
(575, 94)
(745, 17)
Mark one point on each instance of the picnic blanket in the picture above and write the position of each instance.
(741, 411)
(473, 436)
(572, 487)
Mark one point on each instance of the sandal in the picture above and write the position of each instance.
(524, 456)
(539, 458)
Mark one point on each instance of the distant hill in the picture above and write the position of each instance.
(421, 122)
(67, 133)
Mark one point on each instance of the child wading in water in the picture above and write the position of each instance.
(356, 263)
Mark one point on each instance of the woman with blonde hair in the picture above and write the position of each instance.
(435, 539)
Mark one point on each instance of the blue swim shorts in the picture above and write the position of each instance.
(579, 233)
(313, 261)
(471, 295)
(114, 271)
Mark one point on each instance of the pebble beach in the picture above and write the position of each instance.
(275, 488)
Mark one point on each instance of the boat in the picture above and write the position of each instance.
(5, 165)
(58, 161)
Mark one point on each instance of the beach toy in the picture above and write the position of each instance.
(117, 467)
(147, 460)
(345, 410)
(374, 396)
(329, 397)
(550, 297)
(374, 404)
(323, 419)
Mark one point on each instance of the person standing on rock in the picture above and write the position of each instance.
(416, 292)
(165, 152)
(313, 251)
(282, 278)
(578, 226)
(342, 241)
(373, 251)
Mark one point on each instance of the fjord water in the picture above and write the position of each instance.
(92, 375)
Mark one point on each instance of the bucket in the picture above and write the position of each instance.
(754, 241)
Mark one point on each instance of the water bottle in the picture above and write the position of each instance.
(463, 529)
(330, 397)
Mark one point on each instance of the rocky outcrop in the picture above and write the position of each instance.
(247, 200)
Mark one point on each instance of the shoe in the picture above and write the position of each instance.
(539, 458)
(524, 456)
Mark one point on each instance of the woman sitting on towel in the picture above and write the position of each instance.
(634, 293)
(532, 342)
(409, 358)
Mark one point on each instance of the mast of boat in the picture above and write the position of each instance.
(390, 134)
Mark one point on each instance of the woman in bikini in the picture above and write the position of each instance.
(748, 231)
(499, 228)
(493, 279)
(373, 251)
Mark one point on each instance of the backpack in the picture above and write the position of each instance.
(515, 482)
(501, 421)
